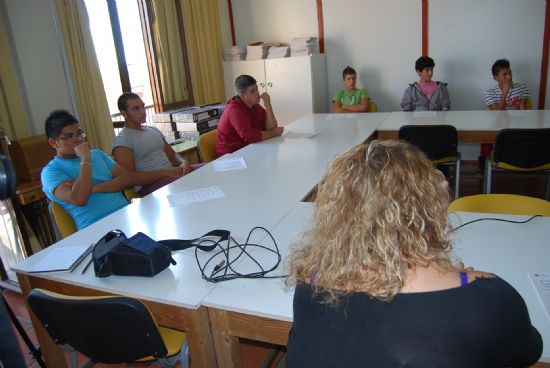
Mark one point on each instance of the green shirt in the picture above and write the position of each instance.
(351, 98)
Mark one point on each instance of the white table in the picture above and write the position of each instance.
(509, 251)
(262, 309)
(280, 172)
(472, 126)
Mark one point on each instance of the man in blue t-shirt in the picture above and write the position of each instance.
(85, 182)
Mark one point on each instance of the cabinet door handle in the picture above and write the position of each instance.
(262, 85)
(269, 84)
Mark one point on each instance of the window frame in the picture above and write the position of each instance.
(145, 12)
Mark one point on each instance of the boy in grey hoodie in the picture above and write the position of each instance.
(426, 95)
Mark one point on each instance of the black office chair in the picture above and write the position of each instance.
(438, 142)
(107, 329)
(519, 150)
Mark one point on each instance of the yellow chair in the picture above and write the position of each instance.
(63, 220)
(519, 150)
(372, 107)
(65, 223)
(207, 145)
(107, 329)
(130, 193)
(510, 204)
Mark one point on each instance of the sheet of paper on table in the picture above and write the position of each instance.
(194, 196)
(541, 282)
(229, 164)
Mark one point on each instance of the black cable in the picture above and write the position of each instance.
(495, 219)
(224, 270)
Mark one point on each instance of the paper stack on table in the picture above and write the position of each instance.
(303, 46)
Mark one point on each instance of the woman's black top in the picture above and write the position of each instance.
(483, 324)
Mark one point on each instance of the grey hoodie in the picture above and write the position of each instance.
(415, 100)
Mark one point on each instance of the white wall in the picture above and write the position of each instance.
(38, 59)
(467, 36)
(380, 51)
(273, 20)
(381, 39)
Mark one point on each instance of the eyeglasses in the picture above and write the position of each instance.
(72, 137)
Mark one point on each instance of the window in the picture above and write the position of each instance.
(140, 47)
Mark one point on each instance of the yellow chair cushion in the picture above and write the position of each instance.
(505, 166)
(372, 107)
(207, 145)
(63, 220)
(510, 204)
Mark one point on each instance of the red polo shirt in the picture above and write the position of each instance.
(239, 126)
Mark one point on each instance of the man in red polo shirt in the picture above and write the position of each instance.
(244, 121)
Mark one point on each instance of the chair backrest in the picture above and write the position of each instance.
(436, 141)
(510, 204)
(523, 148)
(109, 329)
(130, 193)
(63, 220)
(207, 145)
(372, 107)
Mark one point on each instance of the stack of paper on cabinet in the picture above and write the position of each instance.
(302, 46)
(283, 50)
(232, 53)
(256, 50)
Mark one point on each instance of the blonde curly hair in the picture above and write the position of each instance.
(381, 210)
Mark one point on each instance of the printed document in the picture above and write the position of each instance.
(541, 281)
(228, 164)
(194, 196)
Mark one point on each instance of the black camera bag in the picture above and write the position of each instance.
(115, 254)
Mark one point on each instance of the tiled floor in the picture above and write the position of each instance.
(252, 353)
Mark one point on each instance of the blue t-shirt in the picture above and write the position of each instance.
(99, 205)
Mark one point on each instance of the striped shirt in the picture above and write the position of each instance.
(517, 92)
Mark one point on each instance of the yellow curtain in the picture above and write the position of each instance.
(12, 114)
(87, 83)
(169, 54)
(204, 45)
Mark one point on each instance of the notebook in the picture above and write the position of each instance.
(62, 259)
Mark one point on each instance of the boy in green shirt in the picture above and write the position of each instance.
(351, 99)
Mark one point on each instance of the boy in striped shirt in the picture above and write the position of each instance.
(507, 95)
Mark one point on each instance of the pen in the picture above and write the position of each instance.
(87, 265)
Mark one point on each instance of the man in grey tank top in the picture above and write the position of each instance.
(143, 151)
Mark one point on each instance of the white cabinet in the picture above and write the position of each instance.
(297, 85)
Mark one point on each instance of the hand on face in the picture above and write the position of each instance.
(506, 86)
(266, 98)
(504, 79)
(82, 150)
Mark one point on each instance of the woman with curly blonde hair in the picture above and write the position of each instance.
(375, 285)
